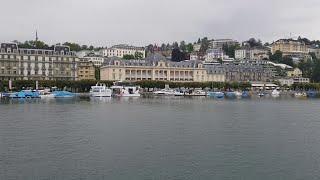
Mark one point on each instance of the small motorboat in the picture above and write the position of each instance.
(125, 91)
(275, 93)
(312, 94)
(245, 94)
(300, 94)
(216, 95)
(63, 94)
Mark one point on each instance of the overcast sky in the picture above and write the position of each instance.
(141, 22)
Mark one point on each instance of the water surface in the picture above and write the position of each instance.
(160, 138)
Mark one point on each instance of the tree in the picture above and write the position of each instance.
(204, 45)
(182, 46)
(276, 57)
(178, 56)
(150, 48)
(33, 45)
(163, 47)
(254, 43)
(189, 47)
(138, 55)
(230, 50)
(73, 46)
(128, 56)
(288, 61)
(84, 47)
(97, 73)
(306, 67)
(316, 71)
(175, 45)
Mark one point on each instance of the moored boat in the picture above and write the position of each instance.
(125, 91)
(216, 95)
(312, 94)
(245, 94)
(25, 94)
(164, 92)
(63, 94)
(275, 93)
(100, 90)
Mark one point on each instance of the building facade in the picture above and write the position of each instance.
(249, 71)
(291, 81)
(17, 63)
(161, 70)
(219, 43)
(123, 49)
(86, 70)
(252, 53)
(290, 47)
(97, 60)
(296, 72)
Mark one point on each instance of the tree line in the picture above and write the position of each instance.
(31, 44)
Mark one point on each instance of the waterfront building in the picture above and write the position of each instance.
(86, 70)
(291, 81)
(252, 53)
(156, 67)
(97, 60)
(290, 47)
(58, 63)
(123, 49)
(249, 71)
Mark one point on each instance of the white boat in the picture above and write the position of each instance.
(178, 93)
(46, 94)
(300, 94)
(165, 92)
(275, 93)
(100, 90)
(125, 91)
(197, 92)
(238, 94)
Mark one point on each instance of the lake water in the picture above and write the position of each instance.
(160, 138)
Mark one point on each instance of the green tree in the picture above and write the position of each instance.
(189, 47)
(204, 45)
(182, 46)
(276, 57)
(288, 61)
(97, 73)
(230, 50)
(73, 46)
(316, 71)
(128, 56)
(306, 67)
(138, 55)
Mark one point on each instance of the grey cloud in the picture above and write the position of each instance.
(140, 22)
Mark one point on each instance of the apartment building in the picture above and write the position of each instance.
(86, 70)
(57, 63)
(123, 49)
